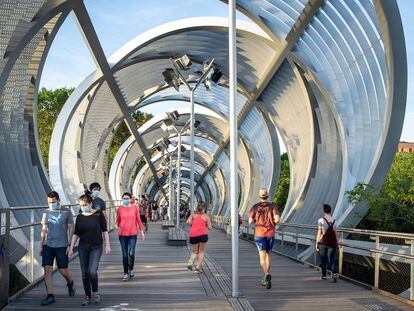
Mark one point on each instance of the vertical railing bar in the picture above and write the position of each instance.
(32, 243)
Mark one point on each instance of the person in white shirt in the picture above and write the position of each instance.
(327, 243)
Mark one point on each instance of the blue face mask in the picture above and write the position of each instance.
(85, 209)
(53, 206)
(95, 193)
(126, 202)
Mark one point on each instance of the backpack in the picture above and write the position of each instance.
(329, 237)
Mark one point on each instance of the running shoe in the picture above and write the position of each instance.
(131, 273)
(268, 279)
(323, 277)
(334, 277)
(126, 277)
(48, 300)
(86, 301)
(190, 265)
(198, 270)
(71, 290)
(97, 298)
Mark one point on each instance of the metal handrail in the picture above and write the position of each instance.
(376, 252)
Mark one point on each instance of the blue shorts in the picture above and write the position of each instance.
(264, 244)
(50, 253)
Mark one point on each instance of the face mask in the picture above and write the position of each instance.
(85, 209)
(126, 202)
(95, 193)
(53, 206)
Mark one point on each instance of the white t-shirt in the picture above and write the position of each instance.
(322, 223)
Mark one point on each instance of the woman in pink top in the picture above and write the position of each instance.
(199, 222)
(128, 221)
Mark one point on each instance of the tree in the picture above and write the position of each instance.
(391, 206)
(282, 191)
(50, 103)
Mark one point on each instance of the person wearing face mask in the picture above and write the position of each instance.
(128, 221)
(98, 204)
(91, 230)
(57, 225)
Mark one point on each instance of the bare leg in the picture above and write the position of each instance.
(263, 261)
(201, 250)
(67, 275)
(267, 262)
(194, 251)
(48, 279)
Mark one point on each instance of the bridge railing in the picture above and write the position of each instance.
(28, 264)
(383, 261)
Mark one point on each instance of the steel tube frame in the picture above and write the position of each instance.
(233, 148)
(178, 179)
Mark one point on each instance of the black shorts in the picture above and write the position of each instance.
(199, 239)
(50, 253)
(144, 219)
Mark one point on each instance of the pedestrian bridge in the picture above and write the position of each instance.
(326, 78)
(162, 282)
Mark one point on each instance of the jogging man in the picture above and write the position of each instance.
(266, 216)
(98, 204)
(57, 229)
(327, 243)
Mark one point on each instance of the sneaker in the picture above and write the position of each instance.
(126, 277)
(323, 277)
(190, 265)
(198, 270)
(268, 279)
(334, 277)
(131, 273)
(97, 298)
(48, 300)
(86, 301)
(71, 290)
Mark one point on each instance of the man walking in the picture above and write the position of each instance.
(266, 216)
(97, 203)
(57, 229)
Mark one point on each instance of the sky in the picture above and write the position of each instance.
(117, 22)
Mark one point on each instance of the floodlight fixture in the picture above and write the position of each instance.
(171, 78)
(173, 116)
(207, 84)
(184, 62)
(216, 75)
(197, 123)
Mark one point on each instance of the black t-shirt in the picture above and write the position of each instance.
(89, 228)
(99, 204)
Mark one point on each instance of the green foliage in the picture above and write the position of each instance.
(390, 208)
(282, 191)
(122, 133)
(50, 103)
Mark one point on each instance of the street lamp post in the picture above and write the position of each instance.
(171, 190)
(178, 179)
(192, 91)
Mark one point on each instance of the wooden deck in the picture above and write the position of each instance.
(162, 282)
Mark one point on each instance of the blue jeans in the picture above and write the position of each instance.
(128, 251)
(89, 257)
(328, 259)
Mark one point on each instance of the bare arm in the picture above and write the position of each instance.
(318, 237)
(251, 220)
(209, 225)
(42, 234)
(276, 219)
(189, 220)
(72, 245)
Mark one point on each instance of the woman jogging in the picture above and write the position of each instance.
(128, 221)
(89, 228)
(199, 222)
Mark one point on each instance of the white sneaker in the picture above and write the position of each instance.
(131, 273)
(126, 277)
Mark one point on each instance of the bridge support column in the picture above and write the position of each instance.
(4, 255)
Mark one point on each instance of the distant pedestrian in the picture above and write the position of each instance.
(90, 227)
(142, 212)
(98, 204)
(57, 228)
(128, 221)
(199, 222)
(266, 216)
(327, 243)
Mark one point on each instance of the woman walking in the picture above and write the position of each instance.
(128, 221)
(89, 228)
(199, 222)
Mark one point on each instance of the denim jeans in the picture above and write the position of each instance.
(328, 259)
(89, 257)
(128, 251)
